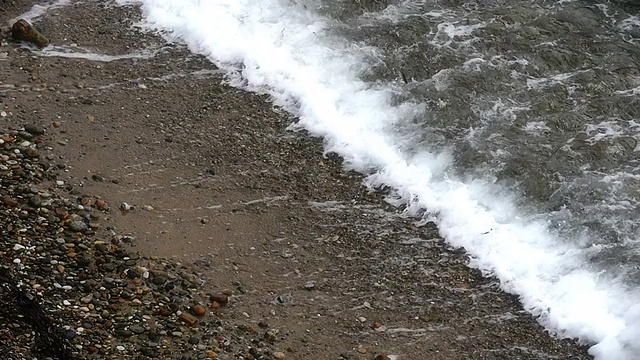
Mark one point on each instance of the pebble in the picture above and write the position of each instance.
(278, 355)
(34, 129)
(18, 247)
(198, 310)
(120, 348)
(31, 153)
(220, 299)
(188, 319)
(136, 329)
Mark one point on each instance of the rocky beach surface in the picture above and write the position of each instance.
(151, 211)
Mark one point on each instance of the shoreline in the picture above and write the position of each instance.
(248, 209)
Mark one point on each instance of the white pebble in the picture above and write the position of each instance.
(66, 303)
(3, 113)
(66, 287)
(17, 247)
(120, 347)
(59, 182)
(16, 261)
(362, 319)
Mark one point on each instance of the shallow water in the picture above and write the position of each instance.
(541, 96)
(513, 125)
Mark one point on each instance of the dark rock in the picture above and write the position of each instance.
(34, 129)
(31, 153)
(136, 329)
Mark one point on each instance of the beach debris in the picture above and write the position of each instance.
(22, 30)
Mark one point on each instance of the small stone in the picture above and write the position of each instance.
(194, 340)
(34, 129)
(263, 324)
(136, 329)
(8, 200)
(188, 319)
(101, 204)
(78, 226)
(310, 285)
(18, 247)
(69, 334)
(125, 207)
(362, 350)
(35, 201)
(382, 357)
(271, 335)
(198, 310)
(159, 280)
(376, 325)
(278, 355)
(220, 299)
(120, 348)
(31, 153)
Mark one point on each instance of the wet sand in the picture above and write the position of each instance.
(215, 181)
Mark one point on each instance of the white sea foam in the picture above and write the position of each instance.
(281, 48)
(74, 52)
(38, 10)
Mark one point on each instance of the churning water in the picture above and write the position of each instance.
(512, 124)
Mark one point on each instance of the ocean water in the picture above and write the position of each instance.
(514, 125)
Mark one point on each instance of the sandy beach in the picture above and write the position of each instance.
(190, 193)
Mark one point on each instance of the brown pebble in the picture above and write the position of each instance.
(62, 213)
(101, 204)
(198, 310)
(215, 305)
(188, 319)
(221, 299)
(8, 200)
(212, 354)
(165, 311)
(362, 350)
(85, 201)
(376, 325)
(57, 124)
